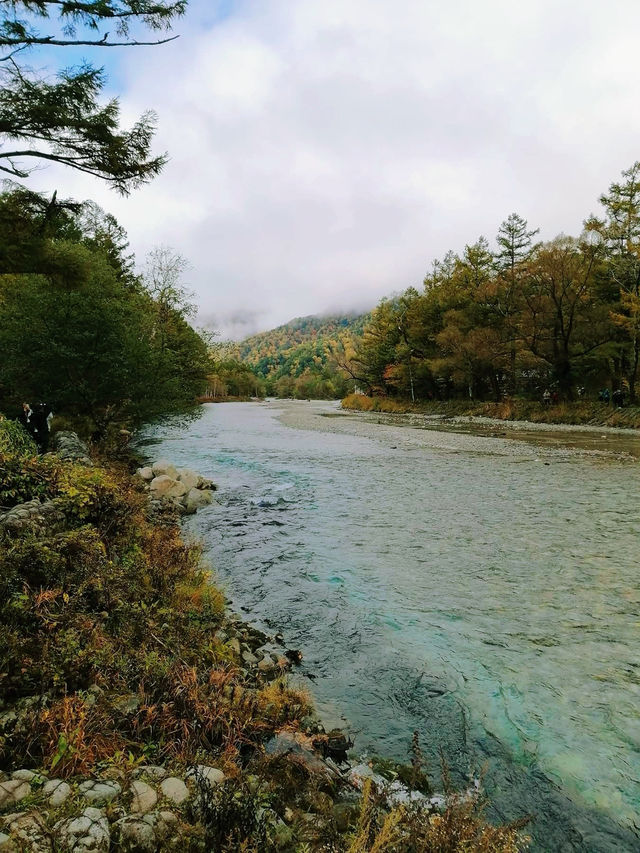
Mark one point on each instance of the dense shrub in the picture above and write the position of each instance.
(15, 440)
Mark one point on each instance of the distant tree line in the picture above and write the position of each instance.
(518, 317)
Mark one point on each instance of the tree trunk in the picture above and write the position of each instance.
(632, 374)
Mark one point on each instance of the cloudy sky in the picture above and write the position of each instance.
(324, 152)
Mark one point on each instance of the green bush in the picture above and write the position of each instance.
(15, 440)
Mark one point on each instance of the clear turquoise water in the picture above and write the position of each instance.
(490, 602)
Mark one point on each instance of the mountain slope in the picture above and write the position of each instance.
(303, 349)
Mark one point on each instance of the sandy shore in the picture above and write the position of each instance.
(468, 435)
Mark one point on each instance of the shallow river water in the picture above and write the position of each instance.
(481, 591)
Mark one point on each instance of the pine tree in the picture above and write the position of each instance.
(62, 120)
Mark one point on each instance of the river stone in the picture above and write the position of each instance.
(146, 473)
(99, 792)
(135, 835)
(24, 775)
(144, 797)
(6, 844)
(266, 665)
(153, 771)
(175, 790)
(291, 743)
(188, 477)
(89, 832)
(28, 832)
(196, 499)
(13, 791)
(164, 486)
(164, 824)
(211, 775)
(57, 791)
(163, 466)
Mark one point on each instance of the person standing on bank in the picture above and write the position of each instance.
(26, 419)
(41, 418)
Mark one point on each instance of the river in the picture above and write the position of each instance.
(482, 591)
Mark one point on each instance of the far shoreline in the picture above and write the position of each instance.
(460, 432)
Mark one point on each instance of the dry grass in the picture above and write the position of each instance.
(580, 412)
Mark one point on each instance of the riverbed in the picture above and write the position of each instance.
(480, 590)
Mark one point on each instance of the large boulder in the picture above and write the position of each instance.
(163, 466)
(146, 473)
(164, 486)
(135, 834)
(197, 498)
(71, 448)
(146, 834)
(188, 477)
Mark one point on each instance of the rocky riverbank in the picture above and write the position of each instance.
(137, 714)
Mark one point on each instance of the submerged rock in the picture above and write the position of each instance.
(196, 499)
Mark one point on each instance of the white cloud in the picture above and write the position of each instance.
(323, 152)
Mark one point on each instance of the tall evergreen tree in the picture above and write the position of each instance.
(515, 245)
(620, 230)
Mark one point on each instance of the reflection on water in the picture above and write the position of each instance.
(491, 602)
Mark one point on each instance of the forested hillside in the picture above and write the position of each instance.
(303, 358)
